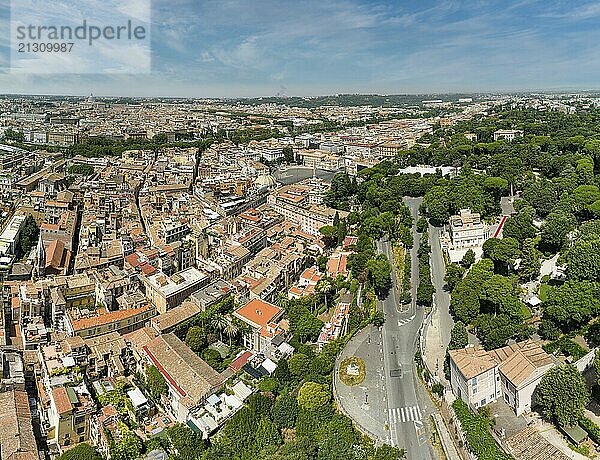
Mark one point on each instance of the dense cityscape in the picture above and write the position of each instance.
(350, 277)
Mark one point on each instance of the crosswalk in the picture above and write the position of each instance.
(404, 414)
(402, 322)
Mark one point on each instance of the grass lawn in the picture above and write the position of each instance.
(351, 379)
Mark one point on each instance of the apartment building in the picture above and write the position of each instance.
(168, 292)
(293, 203)
(87, 324)
(262, 317)
(511, 373)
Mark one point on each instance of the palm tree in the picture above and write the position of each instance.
(232, 329)
(325, 287)
(282, 300)
(219, 323)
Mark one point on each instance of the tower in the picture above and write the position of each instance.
(40, 258)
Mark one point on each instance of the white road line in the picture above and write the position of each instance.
(419, 412)
(403, 414)
(415, 413)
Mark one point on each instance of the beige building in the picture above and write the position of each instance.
(466, 230)
(71, 410)
(168, 292)
(507, 134)
(512, 373)
(293, 203)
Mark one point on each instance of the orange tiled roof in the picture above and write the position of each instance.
(61, 400)
(106, 318)
(259, 312)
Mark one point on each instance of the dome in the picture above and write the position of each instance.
(265, 180)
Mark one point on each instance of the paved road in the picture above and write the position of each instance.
(391, 403)
(437, 335)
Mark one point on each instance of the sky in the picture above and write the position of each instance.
(247, 48)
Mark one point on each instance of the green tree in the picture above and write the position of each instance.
(342, 188)
(83, 169)
(339, 439)
(379, 273)
(267, 434)
(468, 259)
(330, 236)
(555, 229)
(285, 411)
(81, 451)
(128, 447)
(288, 155)
(378, 318)
(385, 452)
(572, 304)
(454, 274)
(313, 395)
(583, 258)
(239, 432)
(520, 227)
(28, 237)
(501, 251)
(282, 372)
(195, 339)
(459, 337)
(155, 382)
(299, 364)
(562, 394)
(185, 442)
(494, 331)
(530, 261)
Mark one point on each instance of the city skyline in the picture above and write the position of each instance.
(227, 49)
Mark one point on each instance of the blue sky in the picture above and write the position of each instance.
(206, 48)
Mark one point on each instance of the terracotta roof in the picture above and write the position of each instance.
(259, 313)
(239, 362)
(61, 400)
(56, 255)
(183, 368)
(522, 363)
(175, 316)
(106, 318)
(517, 361)
(141, 337)
(16, 436)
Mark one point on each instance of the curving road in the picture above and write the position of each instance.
(391, 404)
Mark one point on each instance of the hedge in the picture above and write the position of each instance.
(476, 429)
(591, 428)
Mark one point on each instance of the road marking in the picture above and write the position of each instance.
(402, 322)
(404, 414)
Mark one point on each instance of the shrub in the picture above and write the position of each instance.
(476, 428)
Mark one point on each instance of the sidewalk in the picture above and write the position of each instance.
(445, 438)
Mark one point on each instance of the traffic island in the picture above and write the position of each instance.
(352, 371)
